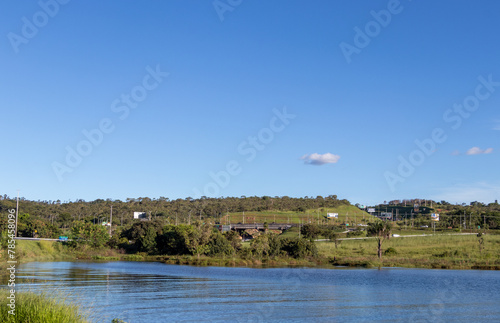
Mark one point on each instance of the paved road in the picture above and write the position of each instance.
(36, 239)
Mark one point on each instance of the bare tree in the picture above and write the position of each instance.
(381, 230)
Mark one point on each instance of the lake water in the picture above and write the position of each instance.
(156, 292)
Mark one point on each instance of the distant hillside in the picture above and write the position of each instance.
(51, 218)
(347, 213)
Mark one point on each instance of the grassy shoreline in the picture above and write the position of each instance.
(31, 307)
(433, 251)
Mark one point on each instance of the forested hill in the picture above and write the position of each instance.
(63, 214)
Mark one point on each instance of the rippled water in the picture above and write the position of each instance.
(155, 292)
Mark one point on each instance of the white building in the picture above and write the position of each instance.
(140, 215)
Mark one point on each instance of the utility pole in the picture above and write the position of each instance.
(465, 222)
(17, 211)
(110, 220)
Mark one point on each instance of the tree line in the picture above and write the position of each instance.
(50, 218)
(197, 239)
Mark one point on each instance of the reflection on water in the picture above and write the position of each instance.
(155, 292)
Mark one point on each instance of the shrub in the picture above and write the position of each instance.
(299, 248)
(390, 251)
(31, 307)
(259, 246)
(310, 231)
(355, 233)
(174, 240)
(234, 238)
(219, 246)
(93, 235)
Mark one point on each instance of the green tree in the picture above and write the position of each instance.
(147, 241)
(381, 230)
(330, 234)
(64, 220)
(481, 242)
(259, 246)
(299, 247)
(174, 240)
(219, 246)
(198, 238)
(234, 238)
(310, 231)
(93, 235)
(275, 243)
(144, 235)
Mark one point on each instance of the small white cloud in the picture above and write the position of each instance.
(479, 151)
(320, 159)
(455, 153)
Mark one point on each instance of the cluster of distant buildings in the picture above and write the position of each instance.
(390, 215)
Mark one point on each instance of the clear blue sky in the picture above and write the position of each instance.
(362, 88)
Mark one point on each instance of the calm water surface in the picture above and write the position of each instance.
(155, 292)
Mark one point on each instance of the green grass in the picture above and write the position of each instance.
(27, 250)
(440, 251)
(291, 233)
(35, 308)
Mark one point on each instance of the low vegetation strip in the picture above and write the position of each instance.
(271, 250)
(440, 251)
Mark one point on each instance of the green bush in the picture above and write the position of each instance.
(390, 251)
(31, 307)
(174, 240)
(311, 231)
(356, 233)
(219, 246)
(86, 233)
(299, 248)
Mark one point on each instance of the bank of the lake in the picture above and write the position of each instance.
(32, 307)
(439, 251)
(432, 251)
(155, 292)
